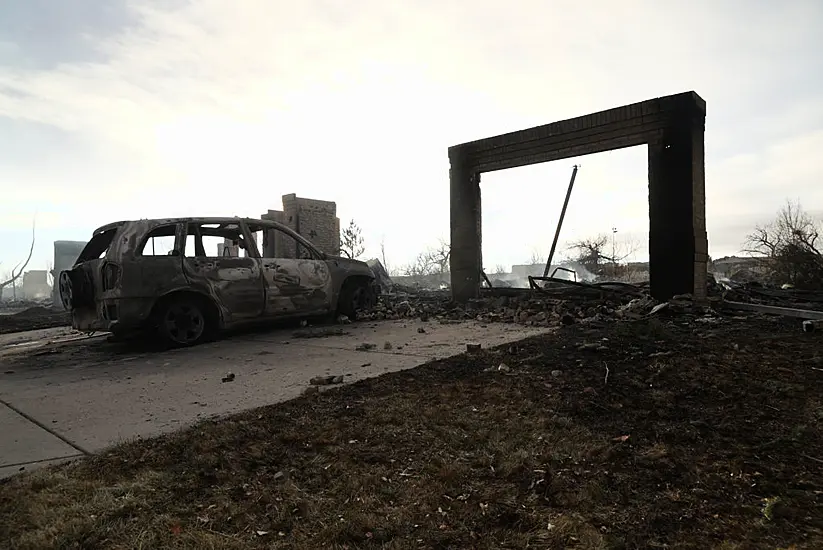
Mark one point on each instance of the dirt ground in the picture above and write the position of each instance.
(659, 433)
(33, 318)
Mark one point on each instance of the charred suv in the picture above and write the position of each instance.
(189, 278)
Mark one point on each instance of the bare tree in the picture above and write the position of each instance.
(421, 266)
(433, 261)
(351, 241)
(601, 254)
(17, 271)
(499, 269)
(537, 257)
(788, 248)
(440, 256)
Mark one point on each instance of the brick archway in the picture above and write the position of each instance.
(673, 127)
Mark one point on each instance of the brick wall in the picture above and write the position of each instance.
(315, 220)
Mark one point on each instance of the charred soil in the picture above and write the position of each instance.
(33, 318)
(635, 434)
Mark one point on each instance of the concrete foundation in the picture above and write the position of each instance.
(671, 126)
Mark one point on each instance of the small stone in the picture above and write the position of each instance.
(421, 330)
(472, 348)
(365, 347)
(387, 345)
(279, 475)
(503, 367)
(311, 390)
(557, 373)
(229, 377)
(567, 319)
(337, 380)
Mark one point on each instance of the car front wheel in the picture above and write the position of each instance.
(356, 296)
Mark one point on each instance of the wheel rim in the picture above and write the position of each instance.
(184, 323)
(65, 290)
(361, 299)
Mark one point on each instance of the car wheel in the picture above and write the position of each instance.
(66, 290)
(183, 321)
(355, 296)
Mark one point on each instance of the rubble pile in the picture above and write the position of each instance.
(755, 293)
(33, 317)
(563, 305)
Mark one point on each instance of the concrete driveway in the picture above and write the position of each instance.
(64, 395)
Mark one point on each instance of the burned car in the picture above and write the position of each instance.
(189, 278)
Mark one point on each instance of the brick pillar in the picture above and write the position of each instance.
(678, 247)
(466, 258)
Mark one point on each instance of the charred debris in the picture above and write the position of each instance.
(554, 301)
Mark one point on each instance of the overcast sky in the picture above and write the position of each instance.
(123, 109)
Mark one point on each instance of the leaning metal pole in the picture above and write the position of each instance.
(560, 222)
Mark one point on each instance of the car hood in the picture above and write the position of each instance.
(355, 266)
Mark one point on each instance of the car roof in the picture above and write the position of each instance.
(201, 219)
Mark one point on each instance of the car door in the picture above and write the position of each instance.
(301, 285)
(236, 282)
(154, 268)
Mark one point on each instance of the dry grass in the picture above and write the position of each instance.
(676, 449)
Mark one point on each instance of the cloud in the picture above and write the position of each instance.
(208, 107)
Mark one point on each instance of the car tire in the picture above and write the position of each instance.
(184, 321)
(355, 295)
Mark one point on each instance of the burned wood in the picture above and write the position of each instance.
(560, 221)
(774, 310)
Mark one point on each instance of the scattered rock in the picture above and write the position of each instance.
(365, 347)
(811, 326)
(228, 378)
(321, 332)
(387, 345)
(503, 367)
(421, 330)
(591, 347)
(311, 390)
(404, 308)
(567, 319)
(556, 373)
(326, 380)
(343, 320)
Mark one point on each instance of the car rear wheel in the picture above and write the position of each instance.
(184, 321)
